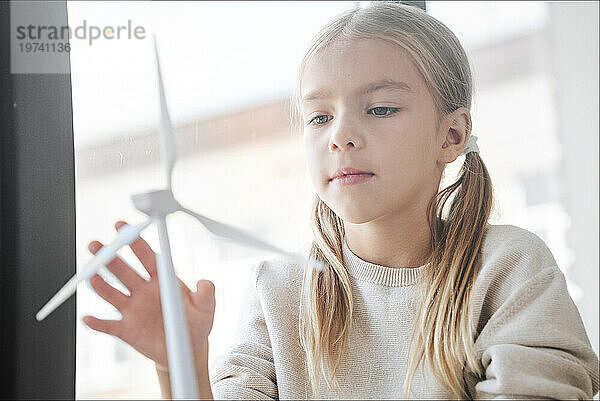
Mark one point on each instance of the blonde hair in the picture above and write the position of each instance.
(444, 331)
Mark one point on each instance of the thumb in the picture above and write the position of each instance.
(204, 297)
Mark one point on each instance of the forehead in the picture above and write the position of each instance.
(347, 68)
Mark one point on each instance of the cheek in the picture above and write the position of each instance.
(398, 165)
(310, 152)
(314, 161)
(389, 155)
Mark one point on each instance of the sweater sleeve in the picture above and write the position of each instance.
(247, 371)
(535, 345)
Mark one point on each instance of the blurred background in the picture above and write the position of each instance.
(229, 69)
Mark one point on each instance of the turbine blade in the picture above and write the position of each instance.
(126, 235)
(167, 141)
(232, 233)
(244, 238)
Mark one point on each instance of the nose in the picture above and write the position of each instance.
(340, 145)
(344, 136)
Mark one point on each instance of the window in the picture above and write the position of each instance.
(229, 69)
(227, 78)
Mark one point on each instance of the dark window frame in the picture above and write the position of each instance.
(37, 224)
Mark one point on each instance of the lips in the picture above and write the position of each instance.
(349, 171)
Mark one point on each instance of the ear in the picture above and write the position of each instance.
(456, 129)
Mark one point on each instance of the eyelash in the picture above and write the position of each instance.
(394, 111)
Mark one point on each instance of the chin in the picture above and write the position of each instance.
(354, 211)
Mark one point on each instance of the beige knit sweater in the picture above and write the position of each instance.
(530, 338)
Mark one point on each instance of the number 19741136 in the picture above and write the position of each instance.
(29, 47)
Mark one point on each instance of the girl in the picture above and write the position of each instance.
(383, 100)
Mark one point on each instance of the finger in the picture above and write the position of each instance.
(204, 297)
(112, 327)
(119, 268)
(206, 287)
(142, 251)
(109, 293)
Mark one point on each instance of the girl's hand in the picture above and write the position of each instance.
(142, 323)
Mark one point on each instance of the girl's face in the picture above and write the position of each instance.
(374, 114)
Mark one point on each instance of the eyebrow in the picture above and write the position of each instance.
(369, 88)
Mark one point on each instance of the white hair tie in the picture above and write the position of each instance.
(471, 145)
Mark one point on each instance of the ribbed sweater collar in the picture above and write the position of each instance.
(383, 275)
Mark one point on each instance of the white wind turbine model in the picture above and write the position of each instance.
(157, 205)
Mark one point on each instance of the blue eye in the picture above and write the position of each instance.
(392, 109)
(311, 121)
